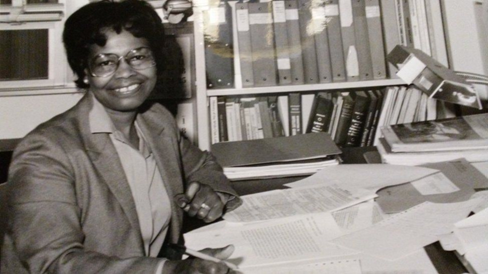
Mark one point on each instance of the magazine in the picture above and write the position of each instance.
(458, 133)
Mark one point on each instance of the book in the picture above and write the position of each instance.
(397, 105)
(376, 118)
(423, 27)
(376, 43)
(218, 43)
(368, 121)
(281, 43)
(276, 119)
(390, 30)
(295, 113)
(244, 43)
(307, 101)
(214, 120)
(294, 42)
(358, 119)
(344, 118)
(307, 39)
(275, 150)
(231, 119)
(221, 111)
(321, 113)
(412, 105)
(349, 40)
(415, 158)
(362, 40)
(335, 41)
(405, 105)
(335, 117)
(262, 44)
(463, 132)
(265, 117)
(322, 48)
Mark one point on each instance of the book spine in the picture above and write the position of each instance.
(359, 113)
(344, 120)
(295, 113)
(214, 120)
(223, 137)
(276, 121)
(368, 124)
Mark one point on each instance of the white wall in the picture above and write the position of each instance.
(21, 114)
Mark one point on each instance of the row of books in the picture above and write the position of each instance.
(350, 118)
(247, 118)
(436, 141)
(285, 42)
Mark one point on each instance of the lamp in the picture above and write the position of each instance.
(434, 79)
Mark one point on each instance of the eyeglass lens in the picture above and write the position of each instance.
(104, 65)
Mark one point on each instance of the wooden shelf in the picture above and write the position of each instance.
(304, 88)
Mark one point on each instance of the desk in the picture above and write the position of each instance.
(444, 261)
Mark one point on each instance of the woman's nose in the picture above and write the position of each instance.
(124, 70)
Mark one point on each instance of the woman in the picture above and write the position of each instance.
(102, 187)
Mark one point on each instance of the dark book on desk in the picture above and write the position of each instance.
(358, 118)
(275, 150)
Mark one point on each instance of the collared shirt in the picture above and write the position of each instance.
(150, 196)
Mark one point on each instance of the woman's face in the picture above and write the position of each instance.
(127, 88)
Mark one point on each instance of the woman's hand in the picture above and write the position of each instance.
(195, 265)
(202, 201)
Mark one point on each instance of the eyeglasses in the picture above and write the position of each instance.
(105, 65)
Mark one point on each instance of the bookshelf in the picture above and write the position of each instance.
(204, 92)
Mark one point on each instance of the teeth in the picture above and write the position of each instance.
(127, 89)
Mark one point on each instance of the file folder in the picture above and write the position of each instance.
(375, 32)
(335, 41)
(362, 40)
(349, 40)
(321, 41)
(262, 44)
(218, 42)
(308, 42)
(244, 41)
(281, 43)
(294, 42)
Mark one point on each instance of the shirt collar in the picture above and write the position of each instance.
(98, 118)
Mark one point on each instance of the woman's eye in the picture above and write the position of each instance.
(105, 63)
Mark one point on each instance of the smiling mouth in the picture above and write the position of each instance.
(127, 90)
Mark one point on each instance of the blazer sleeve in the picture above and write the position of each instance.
(44, 224)
(201, 166)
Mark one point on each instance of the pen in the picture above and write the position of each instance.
(200, 255)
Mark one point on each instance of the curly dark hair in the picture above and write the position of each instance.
(89, 25)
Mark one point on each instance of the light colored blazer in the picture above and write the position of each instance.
(70, 206)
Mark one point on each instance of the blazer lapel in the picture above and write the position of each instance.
(164, 147)
(104, 157)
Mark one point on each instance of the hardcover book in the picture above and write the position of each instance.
(463, 132)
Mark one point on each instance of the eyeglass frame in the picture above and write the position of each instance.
(153, 64)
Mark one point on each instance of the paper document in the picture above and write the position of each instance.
(406, 232)
(295, 201)
(286, 240)
(473, 235)
(359, 216)
(456, 182)
(346, 266)
(367, 176)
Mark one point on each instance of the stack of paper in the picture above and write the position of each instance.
(302, 154)
(330, 218)
(436, 141)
